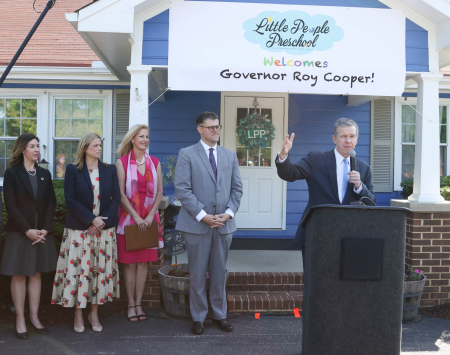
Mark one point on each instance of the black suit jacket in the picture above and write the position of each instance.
(20, 203)
(319, 170)
(80, 196)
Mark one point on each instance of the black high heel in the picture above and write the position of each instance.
(21, 336)
(141, 316)
(133, 318)
(42, 331)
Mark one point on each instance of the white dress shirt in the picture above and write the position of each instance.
(339, 172)
(202, 213)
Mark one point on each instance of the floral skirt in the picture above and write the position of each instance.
(87, 269)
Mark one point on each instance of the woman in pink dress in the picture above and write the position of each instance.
(141, 189)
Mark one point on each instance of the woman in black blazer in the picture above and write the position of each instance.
(29, 247)
(87, 265)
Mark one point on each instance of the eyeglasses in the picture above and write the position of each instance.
(213, 128)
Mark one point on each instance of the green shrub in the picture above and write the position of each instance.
(58, 228)
(408, 185)
(445, 192)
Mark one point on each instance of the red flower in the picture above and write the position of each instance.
(97, 178)
(72, 293)
(118, 282)
(93, 187)
(98, 197)
(53, 301)
(100, 270)
(71, 261)
(84, 294)
(54, 282)
(88, 262)
(110, 276)
(101, 300)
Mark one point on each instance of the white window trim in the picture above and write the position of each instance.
(398, 137)
(45, 112)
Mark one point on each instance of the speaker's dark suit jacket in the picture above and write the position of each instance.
(21, 204)
(80, 197)
(319, 170)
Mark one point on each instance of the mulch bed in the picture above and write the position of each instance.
(442, 311)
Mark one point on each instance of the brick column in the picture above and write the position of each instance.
(428, 248)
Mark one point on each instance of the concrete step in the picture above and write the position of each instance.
(257, 301)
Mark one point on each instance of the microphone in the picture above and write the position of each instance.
(352, 154)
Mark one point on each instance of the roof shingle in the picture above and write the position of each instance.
(55, 42)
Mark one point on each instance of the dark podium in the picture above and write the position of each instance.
(353, 295)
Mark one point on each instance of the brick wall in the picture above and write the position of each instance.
(428, 249)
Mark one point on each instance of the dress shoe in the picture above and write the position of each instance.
(21, 335)
(42, 331)
(223, 325)
(197, 328)
(97, 329)
(79, 329)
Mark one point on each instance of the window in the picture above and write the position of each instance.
(73, 117)
(17, 116)
(408, 139)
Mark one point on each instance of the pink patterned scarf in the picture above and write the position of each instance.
(132, 192)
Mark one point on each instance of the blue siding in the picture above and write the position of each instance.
(156, 33)
(172, 122)
(384, 198)
(155, 49)
(311, 117)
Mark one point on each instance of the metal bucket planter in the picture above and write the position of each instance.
(412, 293)
(175, 291)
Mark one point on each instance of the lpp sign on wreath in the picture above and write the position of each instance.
(283, 48)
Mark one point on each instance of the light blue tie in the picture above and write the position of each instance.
(344, 178)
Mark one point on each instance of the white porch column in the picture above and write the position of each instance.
(426, 164)
(139, 98)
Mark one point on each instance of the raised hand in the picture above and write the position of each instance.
(287, 145)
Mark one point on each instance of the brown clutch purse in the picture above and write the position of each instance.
(137, 240)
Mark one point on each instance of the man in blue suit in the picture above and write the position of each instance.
(328, 174)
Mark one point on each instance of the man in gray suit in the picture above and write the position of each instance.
(209, 187)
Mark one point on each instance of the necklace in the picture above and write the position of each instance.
(31, 174)
(140, 162)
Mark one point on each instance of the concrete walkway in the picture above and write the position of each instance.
(270, 335)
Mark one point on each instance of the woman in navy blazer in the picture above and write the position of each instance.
(87, 265)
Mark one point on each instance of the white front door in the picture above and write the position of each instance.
(262, 201)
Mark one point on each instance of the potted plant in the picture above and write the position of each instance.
(414, 283)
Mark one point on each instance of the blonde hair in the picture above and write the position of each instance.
(126, 146)
(20, 145)
(83, 145)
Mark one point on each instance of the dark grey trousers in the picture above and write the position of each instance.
(207, 252)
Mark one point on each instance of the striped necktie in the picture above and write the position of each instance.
(213, 162)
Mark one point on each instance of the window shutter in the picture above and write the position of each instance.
(122, 114)
(382, 139)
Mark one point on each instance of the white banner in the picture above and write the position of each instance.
(217, 46)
